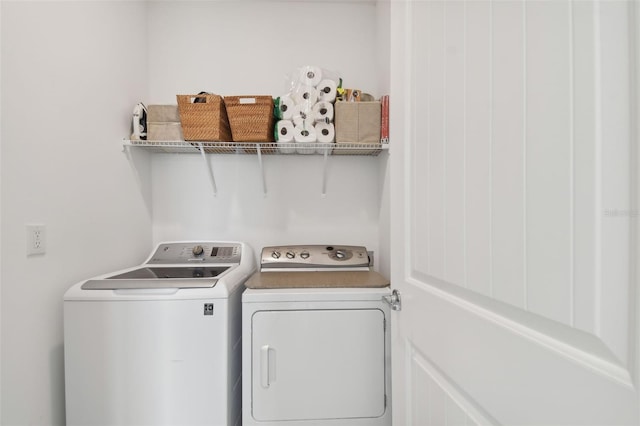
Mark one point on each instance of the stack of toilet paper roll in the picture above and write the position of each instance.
(306, 111)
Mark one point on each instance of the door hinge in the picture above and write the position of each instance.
(393, 300)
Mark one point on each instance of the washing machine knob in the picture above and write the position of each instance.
(304, 255)
(340, 254)
(275, 255)
(291, 255)
(197, 251)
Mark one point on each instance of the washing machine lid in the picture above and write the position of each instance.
(150, 277)
(176, 265)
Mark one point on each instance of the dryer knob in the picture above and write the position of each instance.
(275, 255)
(304, 255)
(197, 251)
(291, 255)
(340, 254)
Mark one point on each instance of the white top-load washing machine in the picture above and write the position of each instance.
(159, 343)
(316, 339)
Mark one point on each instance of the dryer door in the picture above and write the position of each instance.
(318, 364)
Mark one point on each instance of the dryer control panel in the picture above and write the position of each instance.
(314, 257)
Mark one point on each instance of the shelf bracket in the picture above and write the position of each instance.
(264, 180)
(324, 172)
(209, 169)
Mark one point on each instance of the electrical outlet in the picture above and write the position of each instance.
(36, 239)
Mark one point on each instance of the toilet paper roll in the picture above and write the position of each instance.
(284, 131)
(302, 135)
(305, 137)
(285, 136)
(326, 134)
(305, 94)
(327, 90)
(310, 75)
(284, 107)
(323, 112)
(302, 115)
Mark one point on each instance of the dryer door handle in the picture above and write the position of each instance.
(267, 366)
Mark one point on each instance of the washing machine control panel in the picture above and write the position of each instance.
(196, 252)
(314, 256)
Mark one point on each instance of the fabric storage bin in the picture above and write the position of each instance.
(204, 120)
(251, 118)
(163, 123)
(357, 123)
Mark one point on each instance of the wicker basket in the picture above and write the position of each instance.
(204, 121)
(251, 118)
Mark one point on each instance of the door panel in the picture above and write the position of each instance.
(478, 154)
(515, 231)
(443, 403)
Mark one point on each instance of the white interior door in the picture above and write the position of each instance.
(515, 211)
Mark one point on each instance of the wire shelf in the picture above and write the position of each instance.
(267, 148)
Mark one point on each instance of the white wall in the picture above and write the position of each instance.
(71, 73)
(241, 48)
(249, 47)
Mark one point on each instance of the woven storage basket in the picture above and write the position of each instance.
(251, 118)
(204, 121)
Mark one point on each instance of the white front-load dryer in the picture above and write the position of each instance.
(159, 343)
(316, 340)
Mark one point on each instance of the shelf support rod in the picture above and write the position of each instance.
(209, 169)
(324, 172)
(264, 180)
